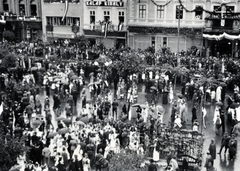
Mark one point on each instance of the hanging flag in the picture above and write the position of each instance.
(120, 26)
(66, 10)
(223, 11)
(106, 29)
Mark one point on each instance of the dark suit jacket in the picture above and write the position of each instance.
(152, 167)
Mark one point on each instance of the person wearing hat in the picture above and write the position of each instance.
(224, 143)
(209, 161)
(212, 150)
(152, 166)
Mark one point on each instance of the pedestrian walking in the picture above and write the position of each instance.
(212, 150)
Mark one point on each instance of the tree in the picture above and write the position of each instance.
(126, 161)
(8, 35)
(9, 61)
(128, 64)
(10, 149)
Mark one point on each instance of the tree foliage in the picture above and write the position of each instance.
(9, 61)
(10, 149)
(128, 64)
(8, 35)
(126, 161)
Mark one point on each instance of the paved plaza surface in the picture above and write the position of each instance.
(221, 163)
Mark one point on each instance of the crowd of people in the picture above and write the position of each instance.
(43, 106)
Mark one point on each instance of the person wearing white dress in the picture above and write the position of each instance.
(86, 163)
(204, 113)
(155, 152)
(171, 97)
(218, 94)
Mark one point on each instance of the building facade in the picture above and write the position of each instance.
(221, 32)
(62, 18)
(23, 17)
(154, 23)
(105, 22)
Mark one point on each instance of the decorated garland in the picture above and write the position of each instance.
(200, 8)
(221, 36)
(161, 5)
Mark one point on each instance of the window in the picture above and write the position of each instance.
(153, 41)
(142, 11)
(5, 6)
(199, 13)
(106, 15)
(68, 21)
(49, 20)
(92, 17)
(33, 9)
(21, 9)
(160, 11)
(179, 12)
(121, 17)
(164, 41)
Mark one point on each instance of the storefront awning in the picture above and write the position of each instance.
(221, 36)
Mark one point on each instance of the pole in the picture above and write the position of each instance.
(178, 42)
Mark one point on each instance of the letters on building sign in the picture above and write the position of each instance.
(105, 3)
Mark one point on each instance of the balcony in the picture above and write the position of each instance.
(24, 18)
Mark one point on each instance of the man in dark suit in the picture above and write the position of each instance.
(114, 109)
(152, 166)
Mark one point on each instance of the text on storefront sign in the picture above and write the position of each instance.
(105, 3)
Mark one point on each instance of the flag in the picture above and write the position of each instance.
(106, 29)
(120, 26)
(66, 10)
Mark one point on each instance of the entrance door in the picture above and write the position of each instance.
(120, 43)
(222, 47)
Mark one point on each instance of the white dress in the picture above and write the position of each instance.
(218, 94)
(155, 153)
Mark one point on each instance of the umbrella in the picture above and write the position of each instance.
(52, 134)
(160, 109)
(136, 105)
(180, 95)
(74, 77)
(60, 118)
(67, 121)
(80, 123)
(16, 168)
(219, 103)
(223, 84)
(73, 142)
(91, 74)
(144, 106)
(234, 105)
(63, 131)
(153, 88)
(36, 123)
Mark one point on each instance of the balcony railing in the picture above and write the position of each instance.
(165, 22)
(60, 1)
(25, 18)
(99, 27)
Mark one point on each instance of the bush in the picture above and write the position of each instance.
(8, 35)
(126, 161)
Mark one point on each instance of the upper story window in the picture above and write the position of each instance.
(92, 17)
(5, 6)
(142, 11)
(160, 11)
(199, 13)
(68, 21)
(21, 9)
(121, 16)
(106, 15)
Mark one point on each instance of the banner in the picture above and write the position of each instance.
(221, 36)
(66, 10)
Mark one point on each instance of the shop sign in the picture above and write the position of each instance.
(105, 3)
